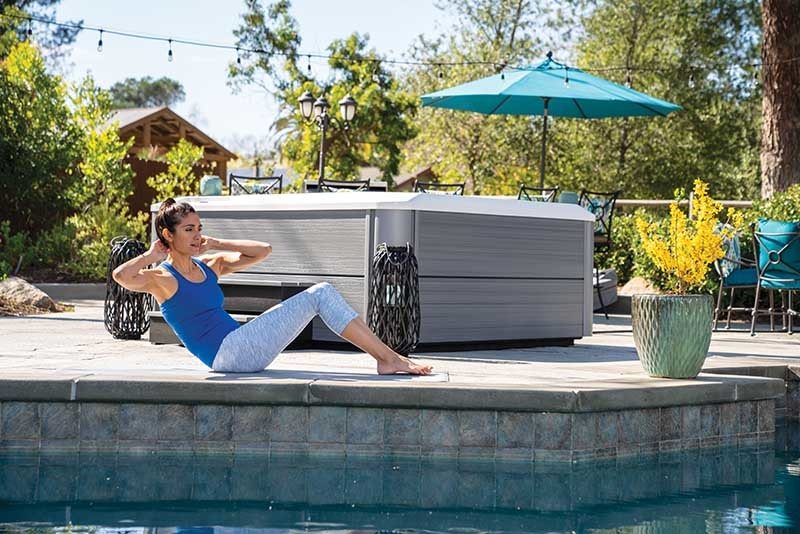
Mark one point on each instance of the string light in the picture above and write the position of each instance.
(309, 65)
(169, 54)
(100, 42)
(436, 64)
(566, 76)
(238, 56)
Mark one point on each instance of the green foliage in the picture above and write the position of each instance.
(695, 54)
(178, 179)
(382, 121)
(491, 153)
(39, 143)
(100, 197)
(146, 92)
(13, 29)
(783, 206)
(61, 166)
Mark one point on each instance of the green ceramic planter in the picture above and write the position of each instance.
(672, 333)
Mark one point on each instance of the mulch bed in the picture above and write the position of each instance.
(13, 309)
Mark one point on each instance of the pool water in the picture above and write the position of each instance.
(703, 491)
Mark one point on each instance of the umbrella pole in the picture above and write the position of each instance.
(544, 140)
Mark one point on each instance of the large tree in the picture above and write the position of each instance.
(146, 92)
(780, 130)
(382, 122)
(696, 53)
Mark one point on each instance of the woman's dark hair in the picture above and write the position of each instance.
(170, 213)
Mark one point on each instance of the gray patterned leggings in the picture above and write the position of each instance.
(255, 344)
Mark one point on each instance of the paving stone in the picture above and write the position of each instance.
(748, 417)
(175, 422)
(213, 422)
(709, 421)
(327, 424)
(670, 426)
(365, 426)
(60, 420)
(515, 430)
(440, 428)
(728, 419)
(251, 423)
(553, 431)
(477, 428)
(20, 421)
(289, 424)
(138, 421)
(402, 426)
(99, 421)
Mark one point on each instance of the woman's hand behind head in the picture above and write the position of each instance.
(158, 251)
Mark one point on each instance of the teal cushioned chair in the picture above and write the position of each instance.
(735, 272)
(778, 251)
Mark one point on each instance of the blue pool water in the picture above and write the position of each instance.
(706, 491)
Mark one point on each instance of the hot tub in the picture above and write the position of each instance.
(493, 272)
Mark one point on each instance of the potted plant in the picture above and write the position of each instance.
(672, 331)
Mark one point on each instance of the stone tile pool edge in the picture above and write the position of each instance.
(332, 418)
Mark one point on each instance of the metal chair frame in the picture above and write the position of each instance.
(241, 188)
(431, 187)
(537, 194)
(766, 273)
(602, 227)
(334, 186)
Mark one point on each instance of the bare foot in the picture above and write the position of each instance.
(401, 364)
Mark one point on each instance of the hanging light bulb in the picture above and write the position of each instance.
(100, 42)
(691, 79)
(238, 56)
(628, 81)
(566, 76)
(309, 65)
(169, 54)
(30, 27)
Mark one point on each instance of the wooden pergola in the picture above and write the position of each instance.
(156, 130)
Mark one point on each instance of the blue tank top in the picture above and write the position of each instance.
(195, 313)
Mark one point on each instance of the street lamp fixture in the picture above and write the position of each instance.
(318, 108)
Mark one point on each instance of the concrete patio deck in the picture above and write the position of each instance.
(69, 359)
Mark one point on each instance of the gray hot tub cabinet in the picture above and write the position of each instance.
(493, 272)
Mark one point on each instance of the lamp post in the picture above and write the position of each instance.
(319, 109)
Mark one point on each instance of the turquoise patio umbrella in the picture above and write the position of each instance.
(549, 89)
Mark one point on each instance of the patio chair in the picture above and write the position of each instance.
(537, 194)
(735, 272)
(568, 197)
(337, 186)
(777, 245)
(601, 204)
(265, 185)
(437, 188)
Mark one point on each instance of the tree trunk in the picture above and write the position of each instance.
(780, 129)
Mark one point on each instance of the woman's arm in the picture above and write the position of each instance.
(132, 274)
(250, 252)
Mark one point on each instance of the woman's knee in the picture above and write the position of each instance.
(321, 286)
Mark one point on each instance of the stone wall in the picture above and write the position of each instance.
(364, 431)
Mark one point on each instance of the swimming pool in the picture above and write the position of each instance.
(698, 491)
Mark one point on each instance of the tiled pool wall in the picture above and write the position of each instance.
(378, 484)
(397, 432)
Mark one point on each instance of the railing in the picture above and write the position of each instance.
(651, 203)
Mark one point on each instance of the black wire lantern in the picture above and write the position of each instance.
(394, 311)
(125, 313)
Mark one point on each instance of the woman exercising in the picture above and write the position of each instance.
(191, 301)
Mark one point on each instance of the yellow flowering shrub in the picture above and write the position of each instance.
(691, 245)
